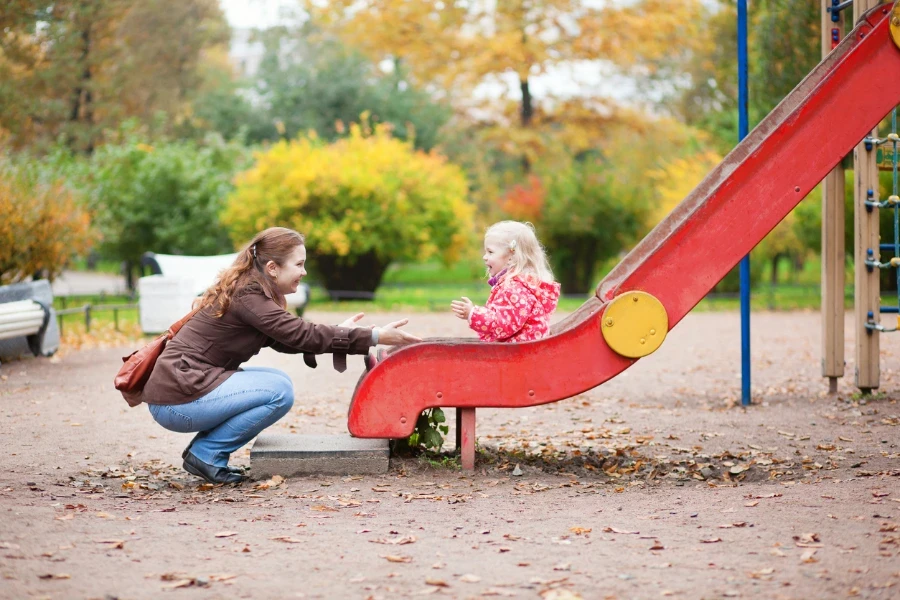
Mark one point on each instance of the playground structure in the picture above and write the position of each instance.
(870, 155)
(675, 266)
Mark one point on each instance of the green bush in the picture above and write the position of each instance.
(164, 197)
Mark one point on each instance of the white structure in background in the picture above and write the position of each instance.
(177, 281)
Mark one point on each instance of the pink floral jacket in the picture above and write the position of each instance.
(518, 310)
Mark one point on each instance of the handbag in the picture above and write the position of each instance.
(133, 376)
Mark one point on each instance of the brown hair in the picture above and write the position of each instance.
(275, 244)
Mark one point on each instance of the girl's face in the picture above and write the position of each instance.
(287, 277)
(496, 255)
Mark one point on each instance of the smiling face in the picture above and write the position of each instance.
(496, 255)
(287, 276)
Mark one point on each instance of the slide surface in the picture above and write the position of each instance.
(678, 263)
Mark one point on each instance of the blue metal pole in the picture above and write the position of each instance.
(743, 127)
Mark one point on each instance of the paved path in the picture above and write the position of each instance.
(655, 485)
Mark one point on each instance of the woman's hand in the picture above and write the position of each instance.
(462, 308)
(391, 335)
(351, 322)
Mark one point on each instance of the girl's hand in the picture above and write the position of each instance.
(391, 334)
(462, 308)
(351, 322)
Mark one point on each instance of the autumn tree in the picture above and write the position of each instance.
(73, 68)
(457, 48)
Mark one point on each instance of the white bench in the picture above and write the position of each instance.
(24, 318)
(167, 294)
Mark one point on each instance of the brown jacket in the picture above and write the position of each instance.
(208, 350)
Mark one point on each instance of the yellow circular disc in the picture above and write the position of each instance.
(634, 324)
(895, 24)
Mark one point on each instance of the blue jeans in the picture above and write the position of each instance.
(232, 414)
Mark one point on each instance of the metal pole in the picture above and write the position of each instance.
(743, 127)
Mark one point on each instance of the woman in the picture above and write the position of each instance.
(197, 384)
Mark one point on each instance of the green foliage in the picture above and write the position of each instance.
(362, 202)
(429, 431)
(307, 83)
(162, 198)
(591, 213)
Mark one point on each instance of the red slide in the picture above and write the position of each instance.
(678, 262)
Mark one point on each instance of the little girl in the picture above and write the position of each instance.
(523, 294)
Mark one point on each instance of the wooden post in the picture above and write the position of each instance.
(866, 287)
(833, 259)
(465, 418)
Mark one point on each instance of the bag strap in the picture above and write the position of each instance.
(176, 327)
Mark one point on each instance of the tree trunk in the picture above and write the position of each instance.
(82, 107)
(527, 113)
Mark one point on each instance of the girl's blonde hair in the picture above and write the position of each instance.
(275, 244)
(527, 256)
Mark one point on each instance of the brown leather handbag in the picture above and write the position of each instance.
(133, 376)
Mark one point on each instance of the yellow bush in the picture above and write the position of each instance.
(41, 228)
(367, 199)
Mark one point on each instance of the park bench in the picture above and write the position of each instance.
(167, 294)
(27, 320)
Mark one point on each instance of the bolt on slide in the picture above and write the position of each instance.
(671, 269)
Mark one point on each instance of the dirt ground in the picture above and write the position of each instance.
(657, 484)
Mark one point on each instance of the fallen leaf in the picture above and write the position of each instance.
(751, 504)
(469, 578)
(809, 556)
(181, 583)
(710, 540)
(55, 576)
(614, 530)
(113, 543)
(225, 534)
(562, 567)
(397, 559)
(807, 540)
(409, 539)
(762, 573)
(286, 539)
(436, 582)
(657, 546)
(498, 592)
(559, 594)
(580, 530)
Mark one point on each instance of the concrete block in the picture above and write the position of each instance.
(292, 455)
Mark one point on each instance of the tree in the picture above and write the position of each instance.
(453, 47)
(362, 202)
(162, 198)
(307, 82)
(74, 68)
